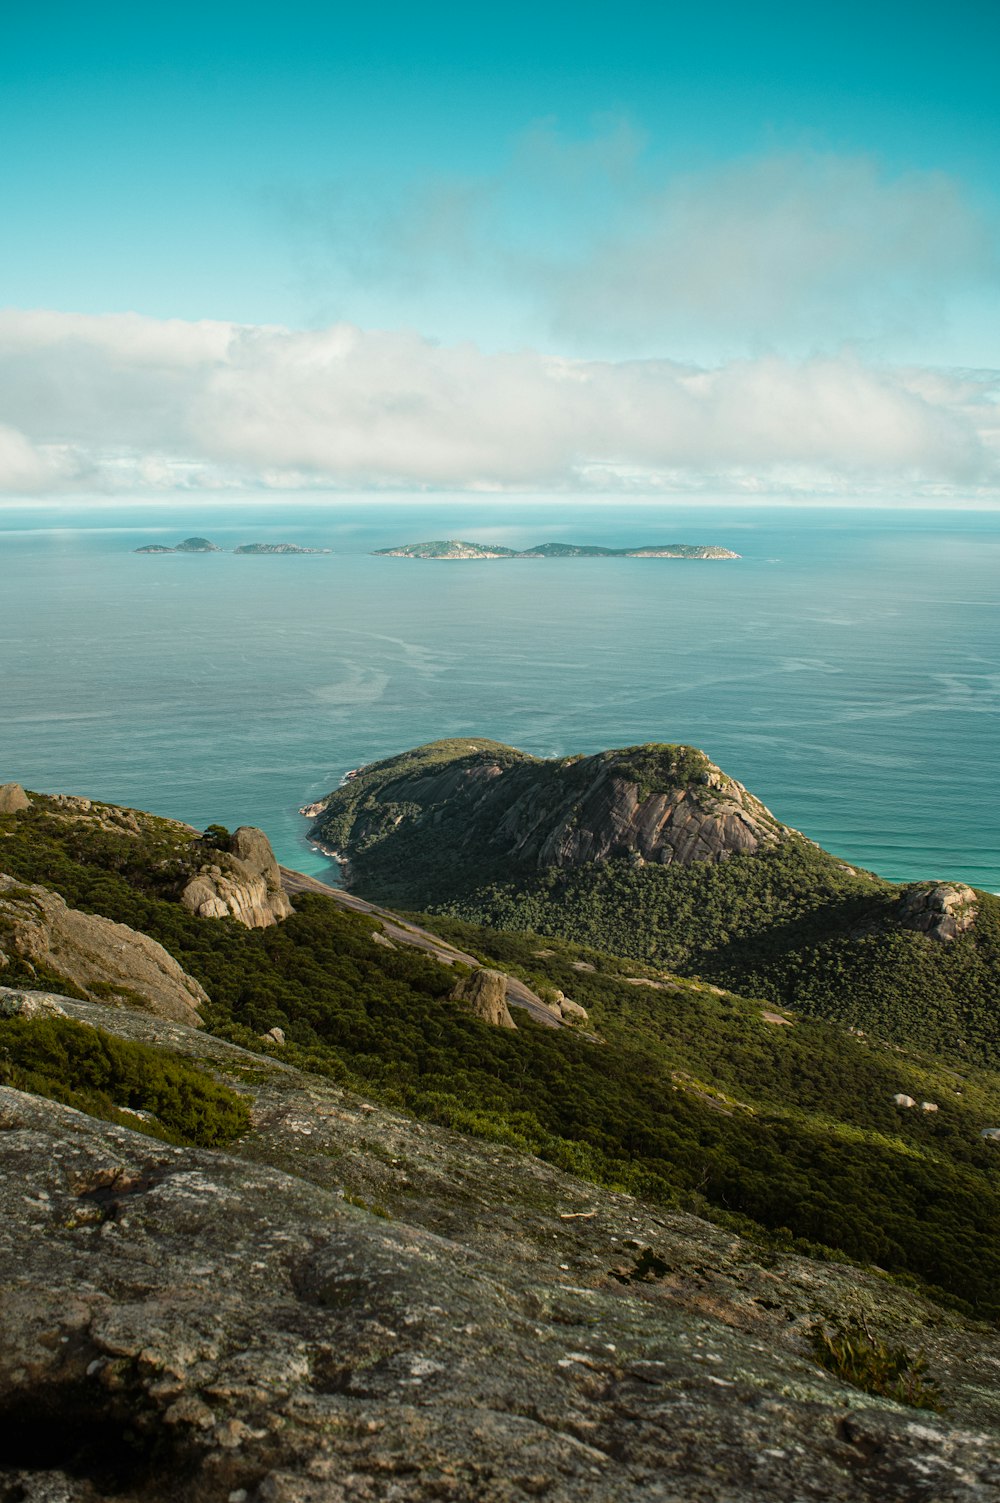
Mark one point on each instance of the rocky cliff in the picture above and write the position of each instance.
(656, 804)
(350, 1307)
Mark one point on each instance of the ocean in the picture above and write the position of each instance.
(846, 668)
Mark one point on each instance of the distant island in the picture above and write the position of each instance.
(189, 545)
(202, 545)
(278, 548)
(454, 548)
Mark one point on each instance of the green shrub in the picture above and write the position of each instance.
(113, 1079)
(857, 1356)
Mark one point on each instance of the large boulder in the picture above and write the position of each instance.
(13, 798)
(942, 911)
(107, 962)
(485, 994)
(243, 883)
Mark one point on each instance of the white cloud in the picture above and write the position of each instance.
(597, 243)
(787, 248)
(123, 402)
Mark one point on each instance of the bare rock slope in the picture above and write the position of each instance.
(103, 959)
(238, 1328)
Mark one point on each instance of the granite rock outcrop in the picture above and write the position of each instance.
(242, 882)
(13, 798)
(105, 961)
(485, 994)
(942, 911)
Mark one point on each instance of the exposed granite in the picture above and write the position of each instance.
(178, 1324)
(485, 994)
(102, 959)
(244, 883)
(13, 798)
(942, 911)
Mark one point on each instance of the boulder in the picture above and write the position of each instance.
(485, 994)
(928, 1106)
(274, 1036)
(107, 962)
(243, 883)
(13, 798)
(942, 911)
(572, 1011)
(902, 1100)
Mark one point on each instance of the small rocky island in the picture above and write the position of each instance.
(202, 545)
(453, 548)
(189, 545)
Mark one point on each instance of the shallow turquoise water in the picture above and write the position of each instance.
(847, 668)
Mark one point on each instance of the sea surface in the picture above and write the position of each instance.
(846, 667)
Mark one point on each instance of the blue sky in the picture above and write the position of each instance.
(589, 182)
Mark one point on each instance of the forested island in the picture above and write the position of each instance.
(456, 548)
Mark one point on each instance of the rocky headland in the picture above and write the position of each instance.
(656, 853)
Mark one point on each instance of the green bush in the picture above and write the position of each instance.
(857, 1356)
(113, 1079)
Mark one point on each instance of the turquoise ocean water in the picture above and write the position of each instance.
(846, 668)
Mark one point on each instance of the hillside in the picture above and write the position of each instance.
(341, 1305)
(653, 853)
(771, 1124)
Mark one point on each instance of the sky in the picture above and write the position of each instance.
(741, 250)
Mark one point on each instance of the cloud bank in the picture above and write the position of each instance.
(608, 249)
(124, 403)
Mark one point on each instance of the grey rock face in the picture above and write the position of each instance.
(177, 1324)
(244, 884)
(485, 994)
(563, 814)
(15, 1004)
(107, 961)
(13, 798)
(942, 912)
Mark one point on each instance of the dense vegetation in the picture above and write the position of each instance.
(790, 923)
(688, 1097)
(783, 926)
(134, 1085)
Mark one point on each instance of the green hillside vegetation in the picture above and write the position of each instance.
(685, 1097)
(132, 1084)
(780, 926)
(790, 923)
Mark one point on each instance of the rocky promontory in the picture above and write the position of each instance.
(659, 804)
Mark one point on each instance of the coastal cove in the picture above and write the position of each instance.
(834, 670)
